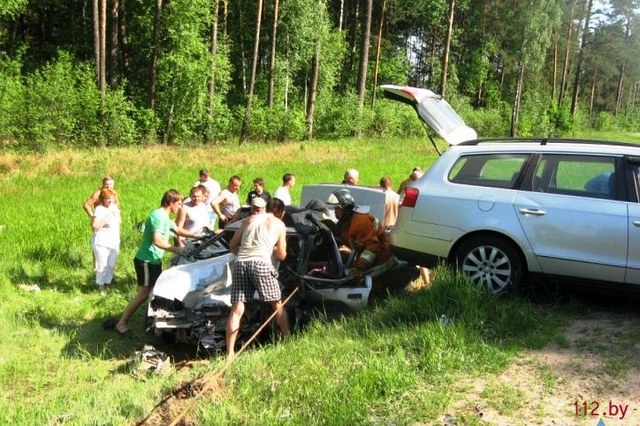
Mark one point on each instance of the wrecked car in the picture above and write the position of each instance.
(191, 300)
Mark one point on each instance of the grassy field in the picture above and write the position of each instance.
(393, 363)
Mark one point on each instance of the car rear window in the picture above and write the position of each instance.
(491, 170)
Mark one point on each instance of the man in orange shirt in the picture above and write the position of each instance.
(363, 233)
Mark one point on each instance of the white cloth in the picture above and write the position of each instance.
(257, 242)
(230, 204)
(109, 234)
(106, 243)
(106, 259)
(197, 217)
(213, 189)
(283, 194)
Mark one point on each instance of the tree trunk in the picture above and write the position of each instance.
(96, 39)
(620, 87)
(592, 97)
(313, 92)
(252, 78)
(154, 55)
(364, 53)
(272, 62)
(447, 46)
(576, 82)
(378, 47)
(565, 67)
(214, 51)
(103, 47)
(114, 51)
(554, 78)
(515, 116)
(225, 14)
(623, 68)
(340, 19)
(124, 39)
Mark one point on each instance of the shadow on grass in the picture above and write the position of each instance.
(70, 281)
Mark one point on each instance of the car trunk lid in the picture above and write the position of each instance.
(433, 110)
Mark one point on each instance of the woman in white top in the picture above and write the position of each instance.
(193, 215)
(106, 238)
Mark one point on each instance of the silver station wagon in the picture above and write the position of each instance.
(505, 210)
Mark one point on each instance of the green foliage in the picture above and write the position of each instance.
(11, 95)
(12, 8)
(561, 120)
(393, 119)
(277, 124)
(337, 115)
(60, 105)
(605, 122)
(183, 72)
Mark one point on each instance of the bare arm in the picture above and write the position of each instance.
(182, 216)
(159, 242)
(184, 233)
(180, 219)
(234, 244)
(215, 205)
(90, 203)
(280, 250)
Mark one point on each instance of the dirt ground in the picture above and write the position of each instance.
(593, 379)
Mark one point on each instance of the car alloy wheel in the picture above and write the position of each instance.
(490, 261)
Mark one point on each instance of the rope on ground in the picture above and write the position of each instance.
(214, 376)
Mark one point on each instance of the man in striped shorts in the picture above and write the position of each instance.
(260, 237)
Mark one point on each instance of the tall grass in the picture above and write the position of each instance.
(392, 363)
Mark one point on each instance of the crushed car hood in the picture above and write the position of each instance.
(434, 111)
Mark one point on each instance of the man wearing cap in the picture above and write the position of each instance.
(260, 237)
(360, 232)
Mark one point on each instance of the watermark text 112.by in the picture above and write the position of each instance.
(595, 408)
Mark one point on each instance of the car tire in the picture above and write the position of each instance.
(492, 261)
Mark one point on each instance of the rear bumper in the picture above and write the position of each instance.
(417, 257)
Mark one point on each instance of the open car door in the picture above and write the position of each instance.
(434, 111)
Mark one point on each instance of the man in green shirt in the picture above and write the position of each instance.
(148, 260)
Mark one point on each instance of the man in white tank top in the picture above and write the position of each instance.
(261, 237)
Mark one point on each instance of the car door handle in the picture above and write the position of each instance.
(533, 212)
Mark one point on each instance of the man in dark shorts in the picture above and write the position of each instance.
(148, 260)
(260, 237)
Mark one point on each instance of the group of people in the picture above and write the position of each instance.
(261, 237)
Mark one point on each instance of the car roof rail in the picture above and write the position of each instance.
(546, 141)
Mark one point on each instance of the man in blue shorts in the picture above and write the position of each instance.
(148, 260)
(261, 236)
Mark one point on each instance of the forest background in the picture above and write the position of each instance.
(87, 73)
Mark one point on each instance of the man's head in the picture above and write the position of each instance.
(108, 182)
(196, 195)
(204, 175)
(234, 183)
(258, 185)
(276, 207)
(385, 183)
(171, 199)
(258, 205)
(342, 200)
(288, 180)
(351, 177)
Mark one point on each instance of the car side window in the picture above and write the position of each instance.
(491, 170)
(579, 175)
